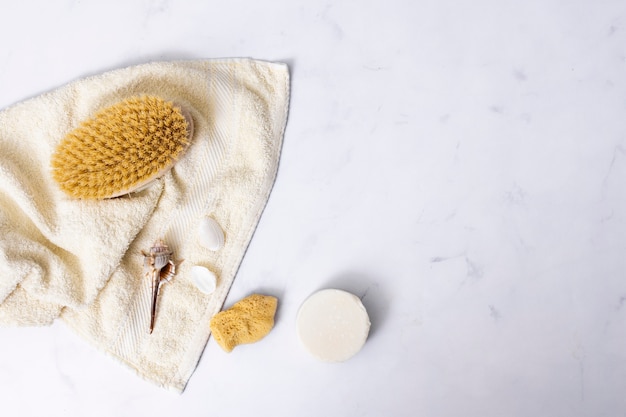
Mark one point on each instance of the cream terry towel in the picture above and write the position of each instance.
(82, 261)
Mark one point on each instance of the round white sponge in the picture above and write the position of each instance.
(332, 325)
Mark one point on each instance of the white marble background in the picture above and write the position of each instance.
(460, 165)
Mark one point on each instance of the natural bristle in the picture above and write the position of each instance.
(120, 148)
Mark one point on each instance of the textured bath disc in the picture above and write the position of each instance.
(332, 325)
(121, 148)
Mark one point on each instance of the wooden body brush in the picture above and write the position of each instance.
(122, 148)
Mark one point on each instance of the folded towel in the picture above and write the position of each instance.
(82, 261)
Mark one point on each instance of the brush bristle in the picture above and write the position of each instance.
(120, 148)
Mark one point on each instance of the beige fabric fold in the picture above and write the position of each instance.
(81, 261)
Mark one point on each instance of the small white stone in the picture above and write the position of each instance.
(210, 234)
(204, 279)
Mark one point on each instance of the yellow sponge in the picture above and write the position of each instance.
(247, 321)
(121, 148)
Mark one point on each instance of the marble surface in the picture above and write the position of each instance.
(461, 166)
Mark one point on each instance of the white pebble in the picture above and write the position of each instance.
(204, 279)
(210, 234)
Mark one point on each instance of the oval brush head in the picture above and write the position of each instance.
(121, 148)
